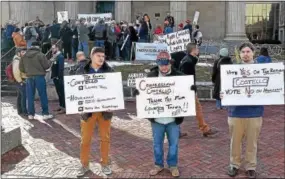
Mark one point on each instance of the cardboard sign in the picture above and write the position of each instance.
(196, 17)
(252, 84)
(93, 93)
(165, 97)
(62, 16)
(176, 41)
(149, 51)
(132, 78)
(94, 18)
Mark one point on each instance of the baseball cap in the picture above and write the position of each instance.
(163, 58)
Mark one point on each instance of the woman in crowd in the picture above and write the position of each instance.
(264, 56)
(145, 29)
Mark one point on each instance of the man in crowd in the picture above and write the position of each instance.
(34, 63)
(188, 26)
(18, 38)
(244, 121)
(197, 35)
(168, 125)
(170, 19)
(57, 73)
(100, 33)
(112, 36)
(30, 34)
(187, 66)
(83, 37)
(21, 84)
(54, 32)
(89, 120)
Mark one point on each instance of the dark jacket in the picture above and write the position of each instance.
(66, 35)
(189, 27)
(216, 75)
(143, 33)
(188, 65)
(177, 57)
(57, 70)
(85, 70)
(154, 73)
(46, 34)
(54, 30)
(34, 63)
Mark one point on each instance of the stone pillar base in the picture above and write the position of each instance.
(10, 138)
(236, 37)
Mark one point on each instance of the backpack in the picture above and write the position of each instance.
(28, 34)
(9, 73)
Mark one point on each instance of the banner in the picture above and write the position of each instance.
(196, 17)
(62, 16)
(149, 51)
(176, 41)
(165, 97)
(132, 78)
(94, 18)
(252, 84)
(93, 93)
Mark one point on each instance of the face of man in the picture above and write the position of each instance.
(21, 53)
(195, 51)
(246, 54)
(98, 59)
(54, 49)
(164, 68)
(81, 57)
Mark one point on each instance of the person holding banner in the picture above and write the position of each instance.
(187, 66)
(244, 121)
(168, 125)
(89, 120)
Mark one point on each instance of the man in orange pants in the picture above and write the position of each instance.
(187, 66)
(90, 120)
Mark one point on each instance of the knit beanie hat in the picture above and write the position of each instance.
(163, 58)
(224, 52)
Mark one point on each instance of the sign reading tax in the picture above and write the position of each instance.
(93, 93)
(165, 97)
(252, 84)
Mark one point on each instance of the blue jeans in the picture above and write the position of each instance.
(39, 83)
(22, 99)
(83, 46)
(99, 43)
(29, 43)
(172, 133)
(219, 104)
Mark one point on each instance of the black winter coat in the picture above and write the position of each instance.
(216, 75)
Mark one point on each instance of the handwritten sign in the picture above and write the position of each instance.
(252, 84)
(196, 17)
(165, 97)
(93, 93)
(62, 16)
(149, 51)
(176, 41)
(94, 18)
(132, 78)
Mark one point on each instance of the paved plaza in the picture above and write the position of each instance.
(51, 148)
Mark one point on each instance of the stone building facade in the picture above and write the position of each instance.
(219, 20)
(282, 22)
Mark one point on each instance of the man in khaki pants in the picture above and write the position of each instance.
(244, 121)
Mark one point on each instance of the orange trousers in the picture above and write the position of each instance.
(87, 129)
(200, 118)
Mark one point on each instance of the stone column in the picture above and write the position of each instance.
(123, 11)
(20, 11)
(235, 21)
(178, 9)
(73, 8)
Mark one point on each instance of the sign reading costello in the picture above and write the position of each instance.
(93, 93)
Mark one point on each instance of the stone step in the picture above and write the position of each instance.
(10, 138)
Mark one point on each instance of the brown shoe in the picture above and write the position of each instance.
(251, 174)
(182, 135)
(174, 171)
(156, 170)
(210, 132)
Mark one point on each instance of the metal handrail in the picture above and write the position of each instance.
(8, 52)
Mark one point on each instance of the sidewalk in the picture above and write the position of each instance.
(51, 148)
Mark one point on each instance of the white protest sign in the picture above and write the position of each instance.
(196, 17)
(62, 16)
(93, 93)
(165, 97)
(176, 41)
(252, 84)
(94, 18)
(149, 51)
(132, 78)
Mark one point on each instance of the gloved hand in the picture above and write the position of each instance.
(193, 88)
(136, 92)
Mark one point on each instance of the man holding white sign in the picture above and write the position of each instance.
(244, 119)
(165, 104)
(97, 65)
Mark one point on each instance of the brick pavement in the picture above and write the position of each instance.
(51, 148)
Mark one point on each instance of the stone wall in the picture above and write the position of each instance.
(212, 18)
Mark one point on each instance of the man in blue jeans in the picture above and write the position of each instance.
(34, 64)
(83, 37)
(100, 33)
(21, 84)
(168, 125)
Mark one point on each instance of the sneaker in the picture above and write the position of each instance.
(107, 170)
(46, 117)
(156, 170)
(30, 117)
(210, 132)
(82, 171)
(232, 172)
(174, 171)
(251, 174)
